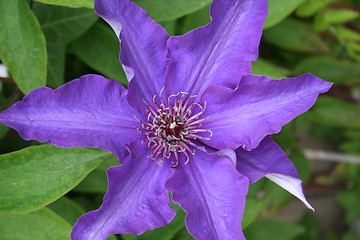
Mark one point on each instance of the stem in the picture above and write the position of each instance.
(320, 155)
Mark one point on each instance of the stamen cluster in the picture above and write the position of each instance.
(171, 126)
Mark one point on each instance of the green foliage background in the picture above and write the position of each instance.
(50, 42)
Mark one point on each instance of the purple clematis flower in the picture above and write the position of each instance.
(193, 121)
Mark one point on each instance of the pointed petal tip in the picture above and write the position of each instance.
(290, 184)
(220, 52)
(310, 207)
(324, 86)
(90, 111)
(307, 204)
(260, 105)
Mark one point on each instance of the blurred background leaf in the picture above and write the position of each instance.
(310, 7)
(263, 67)
(347, 114)
(279, 9)
(272, 230)
(317, 36)
(253, 208)
(61, 25)
(165, 233)
(161, 10)
(3, 130)
(297, 36)
(99, 48)
(332, 16)
(335, 70)
(349, 200)
(22, 45)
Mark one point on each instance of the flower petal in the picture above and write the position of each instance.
(136, 200)
(88, 112)
(269, 160)
(259, 106)
(213, 194)
(143, 48)
(290, 184)
(219, 53)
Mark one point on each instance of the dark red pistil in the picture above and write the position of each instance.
(171, 128)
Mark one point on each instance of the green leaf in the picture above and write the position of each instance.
(36, 176)
(334, 16)
(345, 34)
(196, 19)
(277, 197)
(349, 200)
(351, 144)
(350, 39)
(312, 227)
(279, 10)
(331, 235)
(354, 50)
(39, 225)
(96, 181)
(70, 3)
(256, 188)
(112, 237)
(297, 36)
(335, 112)
(311, 7)
(22, 45)
(99, 48)
(263, 67)
(3, 130)
(159, 10)
(302, 164)
(253, 208)
(325, 132)
(163, 10)
(183, 234)
(67, 209)
(348, 236)
(56, 65)
(70, 211)
(167, 232)
(272, 230)
(330, 69)
(170, 26)
(61, 25)
(285, 138)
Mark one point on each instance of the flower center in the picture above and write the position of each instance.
(173, 127)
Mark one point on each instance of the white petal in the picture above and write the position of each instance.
(290, 184)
